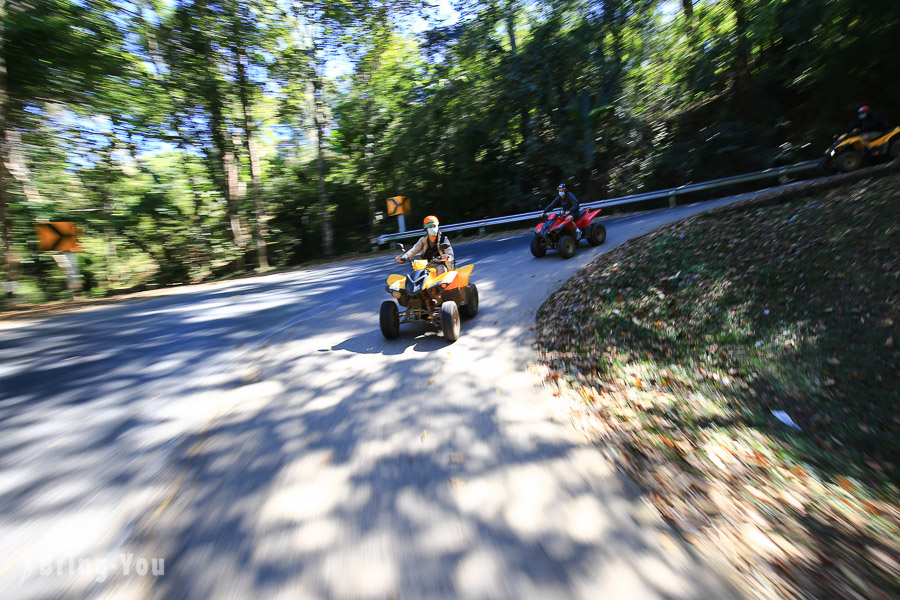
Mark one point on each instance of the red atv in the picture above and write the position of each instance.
(559, 231)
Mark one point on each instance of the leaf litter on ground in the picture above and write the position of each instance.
(681, 350)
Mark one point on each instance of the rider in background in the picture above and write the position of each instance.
(869, 125)
(434, 247)
(567, 202)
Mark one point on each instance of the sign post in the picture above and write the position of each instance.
(398, 206)
(68, 262)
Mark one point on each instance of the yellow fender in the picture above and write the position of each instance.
(887, 137)
(462, 277)
(395, 279)
(442, 278)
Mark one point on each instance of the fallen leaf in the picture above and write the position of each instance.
(431, 381)
(845, 483)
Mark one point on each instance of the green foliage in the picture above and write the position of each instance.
(135, 119)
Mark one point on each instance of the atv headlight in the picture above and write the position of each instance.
(832, 153)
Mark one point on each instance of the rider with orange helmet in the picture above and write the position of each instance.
(434, 246)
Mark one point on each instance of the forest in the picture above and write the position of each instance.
(190, 140)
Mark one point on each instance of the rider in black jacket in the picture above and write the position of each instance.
(869, 125)
(567, 201)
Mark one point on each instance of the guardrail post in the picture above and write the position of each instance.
(481, 231)
(672, 201)
(782, 177)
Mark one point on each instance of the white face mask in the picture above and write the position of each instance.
(562, 192)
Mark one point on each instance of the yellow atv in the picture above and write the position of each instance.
(849, 152)
(426, 296)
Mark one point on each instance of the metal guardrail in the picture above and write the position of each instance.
(671, 193)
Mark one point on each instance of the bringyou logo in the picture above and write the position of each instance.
(98, 569)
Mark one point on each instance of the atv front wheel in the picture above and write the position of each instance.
(470, 308)
(389, 319)
(596, 234)
(826, 168)
(848, 161)
(450, 320)
(538, 247)
(566, 246)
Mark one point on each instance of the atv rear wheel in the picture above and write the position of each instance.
(450, 320)
(470, 308)
(596, 234)
(389, 318)
(538, 247)
(566, 246)
(895, 148)
(848, 161)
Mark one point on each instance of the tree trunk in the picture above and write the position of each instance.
(199, 250)
(368, 155)
(259, 232)
(4, 216)
(742, 80)
(225, 159)
(319, 118)
(511, 25)
(369, 169)
(108, 233)
(688, 6)
(690, 29)
(4, 176)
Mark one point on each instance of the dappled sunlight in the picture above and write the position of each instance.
(298, 499)
(482, 574)
(320, 449)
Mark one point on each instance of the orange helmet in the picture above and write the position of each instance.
(431, 221)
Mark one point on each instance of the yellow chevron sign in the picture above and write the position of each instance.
(398, 205)
(58, 235)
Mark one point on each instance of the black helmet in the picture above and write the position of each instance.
(561, 186)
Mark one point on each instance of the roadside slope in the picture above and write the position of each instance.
(686, 352)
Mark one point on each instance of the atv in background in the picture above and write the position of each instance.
(559, 232)
(429, 297)
(849, 152)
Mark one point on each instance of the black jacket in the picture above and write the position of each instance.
(871, 122)
(568, 203)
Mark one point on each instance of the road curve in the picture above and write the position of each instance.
(263, 439)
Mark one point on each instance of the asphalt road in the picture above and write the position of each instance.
(261, 438)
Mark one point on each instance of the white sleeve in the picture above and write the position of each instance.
(419, 247)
